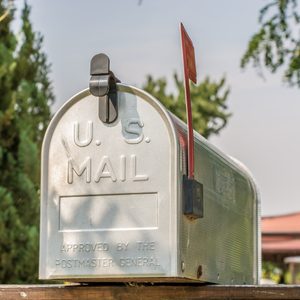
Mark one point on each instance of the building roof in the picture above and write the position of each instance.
(291, 246)
(288, 224)
(281, 234)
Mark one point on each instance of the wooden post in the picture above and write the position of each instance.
(147, 292)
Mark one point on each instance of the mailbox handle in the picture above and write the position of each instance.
(103, 85)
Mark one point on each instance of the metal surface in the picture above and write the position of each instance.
(112, 206)
(224, 242)
(108, 210)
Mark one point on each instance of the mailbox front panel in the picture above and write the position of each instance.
(109, 191)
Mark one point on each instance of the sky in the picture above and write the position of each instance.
(142, 37)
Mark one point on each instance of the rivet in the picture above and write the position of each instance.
(182, 266)
(199, 272)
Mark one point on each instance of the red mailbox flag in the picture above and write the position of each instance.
(189, 66)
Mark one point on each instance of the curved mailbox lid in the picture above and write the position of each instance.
(109, 191)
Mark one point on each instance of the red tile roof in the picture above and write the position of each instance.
(281, 234)
(289, 223)
(281, 246)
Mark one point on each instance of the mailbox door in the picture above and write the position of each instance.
(109, 191)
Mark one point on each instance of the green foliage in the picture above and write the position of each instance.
(271, 271)
(277, 42)
(208, 102)
(24, 114)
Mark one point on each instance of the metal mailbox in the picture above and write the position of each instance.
(112, 205)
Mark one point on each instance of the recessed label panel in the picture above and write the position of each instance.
(108, 212)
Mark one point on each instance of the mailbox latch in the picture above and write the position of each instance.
(103, 85)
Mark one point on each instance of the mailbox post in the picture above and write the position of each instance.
(112, 205)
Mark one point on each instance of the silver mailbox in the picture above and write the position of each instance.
(112, 205)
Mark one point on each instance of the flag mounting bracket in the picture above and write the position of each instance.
(103, 85)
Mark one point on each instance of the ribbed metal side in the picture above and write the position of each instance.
(222, 246)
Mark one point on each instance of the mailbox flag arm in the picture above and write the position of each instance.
(190, 73)
(192, 189)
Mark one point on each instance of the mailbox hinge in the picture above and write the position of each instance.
(103, 85)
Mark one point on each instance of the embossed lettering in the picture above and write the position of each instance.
(89, 135)
(88, 247)
(146, 246)
(123, 167)
(84, 263)
(105, 170)
(134, 130)
(139, 262)
(85, 166)
(122, 246)
(135, 176)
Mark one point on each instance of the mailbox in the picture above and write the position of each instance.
(113, 205)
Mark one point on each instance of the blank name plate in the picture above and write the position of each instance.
(108, 212)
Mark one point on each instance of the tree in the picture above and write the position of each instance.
(209, 98)
(277, 42)
(26, 95)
